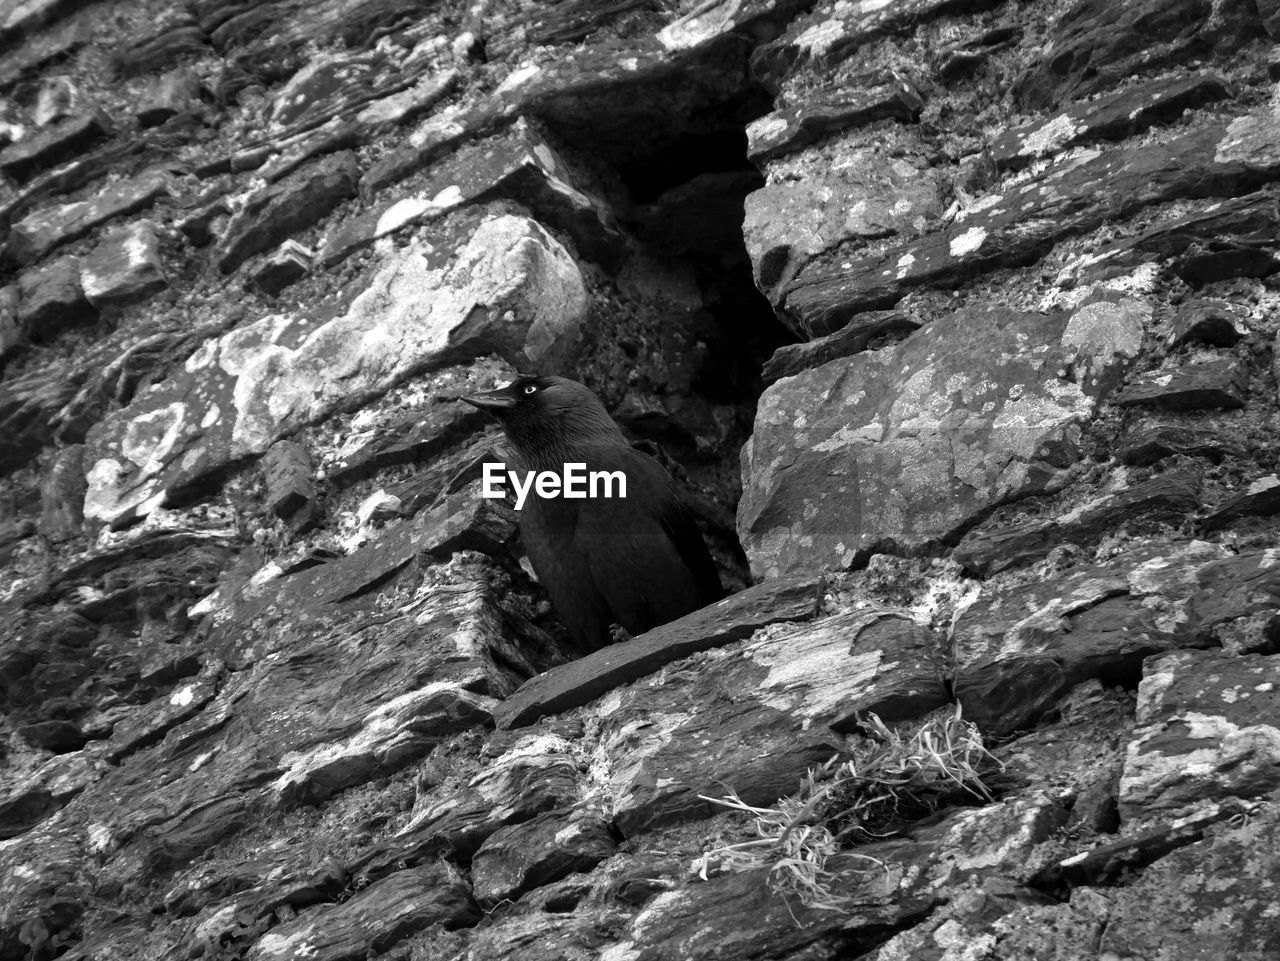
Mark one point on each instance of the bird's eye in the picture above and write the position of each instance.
(531, 389)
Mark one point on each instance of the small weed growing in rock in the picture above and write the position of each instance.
(896, 779)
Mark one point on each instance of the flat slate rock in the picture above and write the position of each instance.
(414, 309)
(62, 495)
(124, 268)
(726, 621)
(1097, 44)
(1220, 383)
(289, 475)
(1018, 649)
(1013, 227)
(1208, 730)
(907, 445)
(1109, 118)
(417, 437)
(40, 232)
(821, 113)
(540, 851)
(871, 194)
(1171, 497)
(1148, 443)
(852, 338)
(52, 299)
(375, 919)
(1260, 498)
(518, 163)
(278, 211)
(1213, 322)
(834, 31)
(44, 149)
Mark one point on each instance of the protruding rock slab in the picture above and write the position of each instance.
(869, 195)
(1213, 322)
(822, 112)
(125, 267)
(1262, 497)
(166, 97)
(40, 232)
(736, 617)
(835, 29)
(290, 487)
(1208, 729)
(769, 708)
(1109, 118)
(519, 163)
(286, 266)
(62, 495)
(376, 919)
(538, 773)
(510, 288)
(417, 437)
(1221, 383)
(20, 160)
(850, 339)
(1014, 226)
(1097, 44)
(13, 331)
(1150, 442)
(537, 852)
(1018, 650)
(1196, 887)
(1169, 497)
(277, 212)
(908, 444)
(52, 299)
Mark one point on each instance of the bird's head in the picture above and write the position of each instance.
(548, 418)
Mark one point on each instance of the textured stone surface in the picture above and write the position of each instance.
(52, 299)
(911, 432)
(1208, 729)
(1008, 273)
(1012, 227)
(240, 392)
(40, 232)
(274, 213)
(1169, 497)
(374, 920)
(537, 852)
(852, 338)
(125, 267)
(1109, 118)
(20, 160)
(1215, 382)
(790, 599)
(826, 112)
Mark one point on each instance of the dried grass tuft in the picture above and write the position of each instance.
(893, 780)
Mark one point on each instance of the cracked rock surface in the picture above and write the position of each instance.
(957, 326)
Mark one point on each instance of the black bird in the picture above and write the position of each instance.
(633, 562)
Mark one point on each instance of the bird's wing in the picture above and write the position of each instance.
(661, 502)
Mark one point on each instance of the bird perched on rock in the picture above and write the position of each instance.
(606, 562)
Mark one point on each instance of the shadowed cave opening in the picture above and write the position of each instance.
(685, 176)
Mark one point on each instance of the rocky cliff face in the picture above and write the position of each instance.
(955, 320)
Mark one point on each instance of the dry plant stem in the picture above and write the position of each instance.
(796, 838)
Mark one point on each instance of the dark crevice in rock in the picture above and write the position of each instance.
(866, 940)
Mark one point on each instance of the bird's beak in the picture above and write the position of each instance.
(493, 401)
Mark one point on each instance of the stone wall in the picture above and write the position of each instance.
(955, 321)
